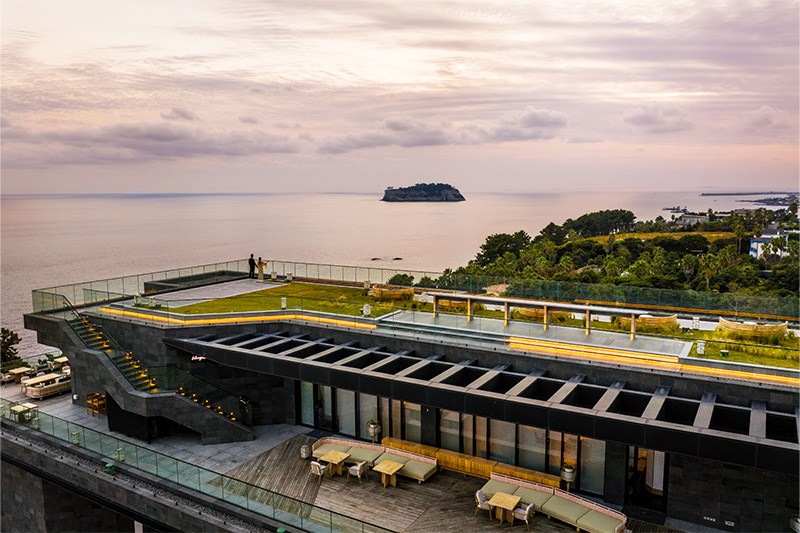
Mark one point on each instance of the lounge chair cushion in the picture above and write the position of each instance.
(363, 454)
(417, 470)
(391, 457)
(493, 486)
(536, 497)
(563, 509)
(329, 447)
(597, 522)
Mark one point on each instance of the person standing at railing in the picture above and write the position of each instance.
(261, 264)
(252, 263)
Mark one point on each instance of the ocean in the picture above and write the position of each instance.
(61, 239)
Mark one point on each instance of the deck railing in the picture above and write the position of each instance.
(274, 505)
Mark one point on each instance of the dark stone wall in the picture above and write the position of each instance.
(615, 472)
(22, 500)
(729, 497)
(32, 504)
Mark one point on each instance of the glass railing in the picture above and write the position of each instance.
(173, 379)
(688, 302)
(273, 505)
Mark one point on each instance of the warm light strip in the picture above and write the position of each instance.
(676, 367)
(592, 350)
(673, 308)
(231, 320)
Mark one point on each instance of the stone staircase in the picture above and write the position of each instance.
(95, 338)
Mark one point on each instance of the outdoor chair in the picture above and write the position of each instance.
(525, 513)
(358, 470)
(39, 374)
(7, 378)
(318, 470)
(24, 382)
(482, 503)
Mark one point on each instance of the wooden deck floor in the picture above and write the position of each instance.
(445, 502)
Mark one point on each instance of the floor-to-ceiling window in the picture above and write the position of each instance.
(554, 453)
(532, 448)
(502, 441)
(467, 434)
(413, 422)
(307, 403)
(367, 410)
(481, 444)
(386, 417)
(449, 430)
(397, 419)
(346, 407)
(324, 407)
(593, 465)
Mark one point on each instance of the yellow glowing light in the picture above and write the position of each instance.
(232, 320)
(643, 360)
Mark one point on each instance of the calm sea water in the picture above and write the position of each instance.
(55, 240)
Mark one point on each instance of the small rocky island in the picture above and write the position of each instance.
(423, 192)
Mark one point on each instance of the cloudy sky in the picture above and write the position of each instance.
(356, 95)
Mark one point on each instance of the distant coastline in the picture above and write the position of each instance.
(423, 192)
(743, 193)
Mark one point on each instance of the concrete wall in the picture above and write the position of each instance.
(728, 497)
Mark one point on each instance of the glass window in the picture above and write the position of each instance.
(502, 441)
(532, 448)
(448, 429)
(467, 437)
(570, 454)
(367, 410)
(386, 419)
(554, 453)
(326, 401)
(397, 419)
(593, 465)
(413, 422)
(480, 437)
(307, 403)
(346, 405)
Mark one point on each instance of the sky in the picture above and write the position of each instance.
(357, 95)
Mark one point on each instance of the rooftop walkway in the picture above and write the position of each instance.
(489, 329)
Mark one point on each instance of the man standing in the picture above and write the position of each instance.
(252, 263)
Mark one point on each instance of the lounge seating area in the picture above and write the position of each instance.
(415, 466)
(471, 465)
(584, 514)
(47, 385)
